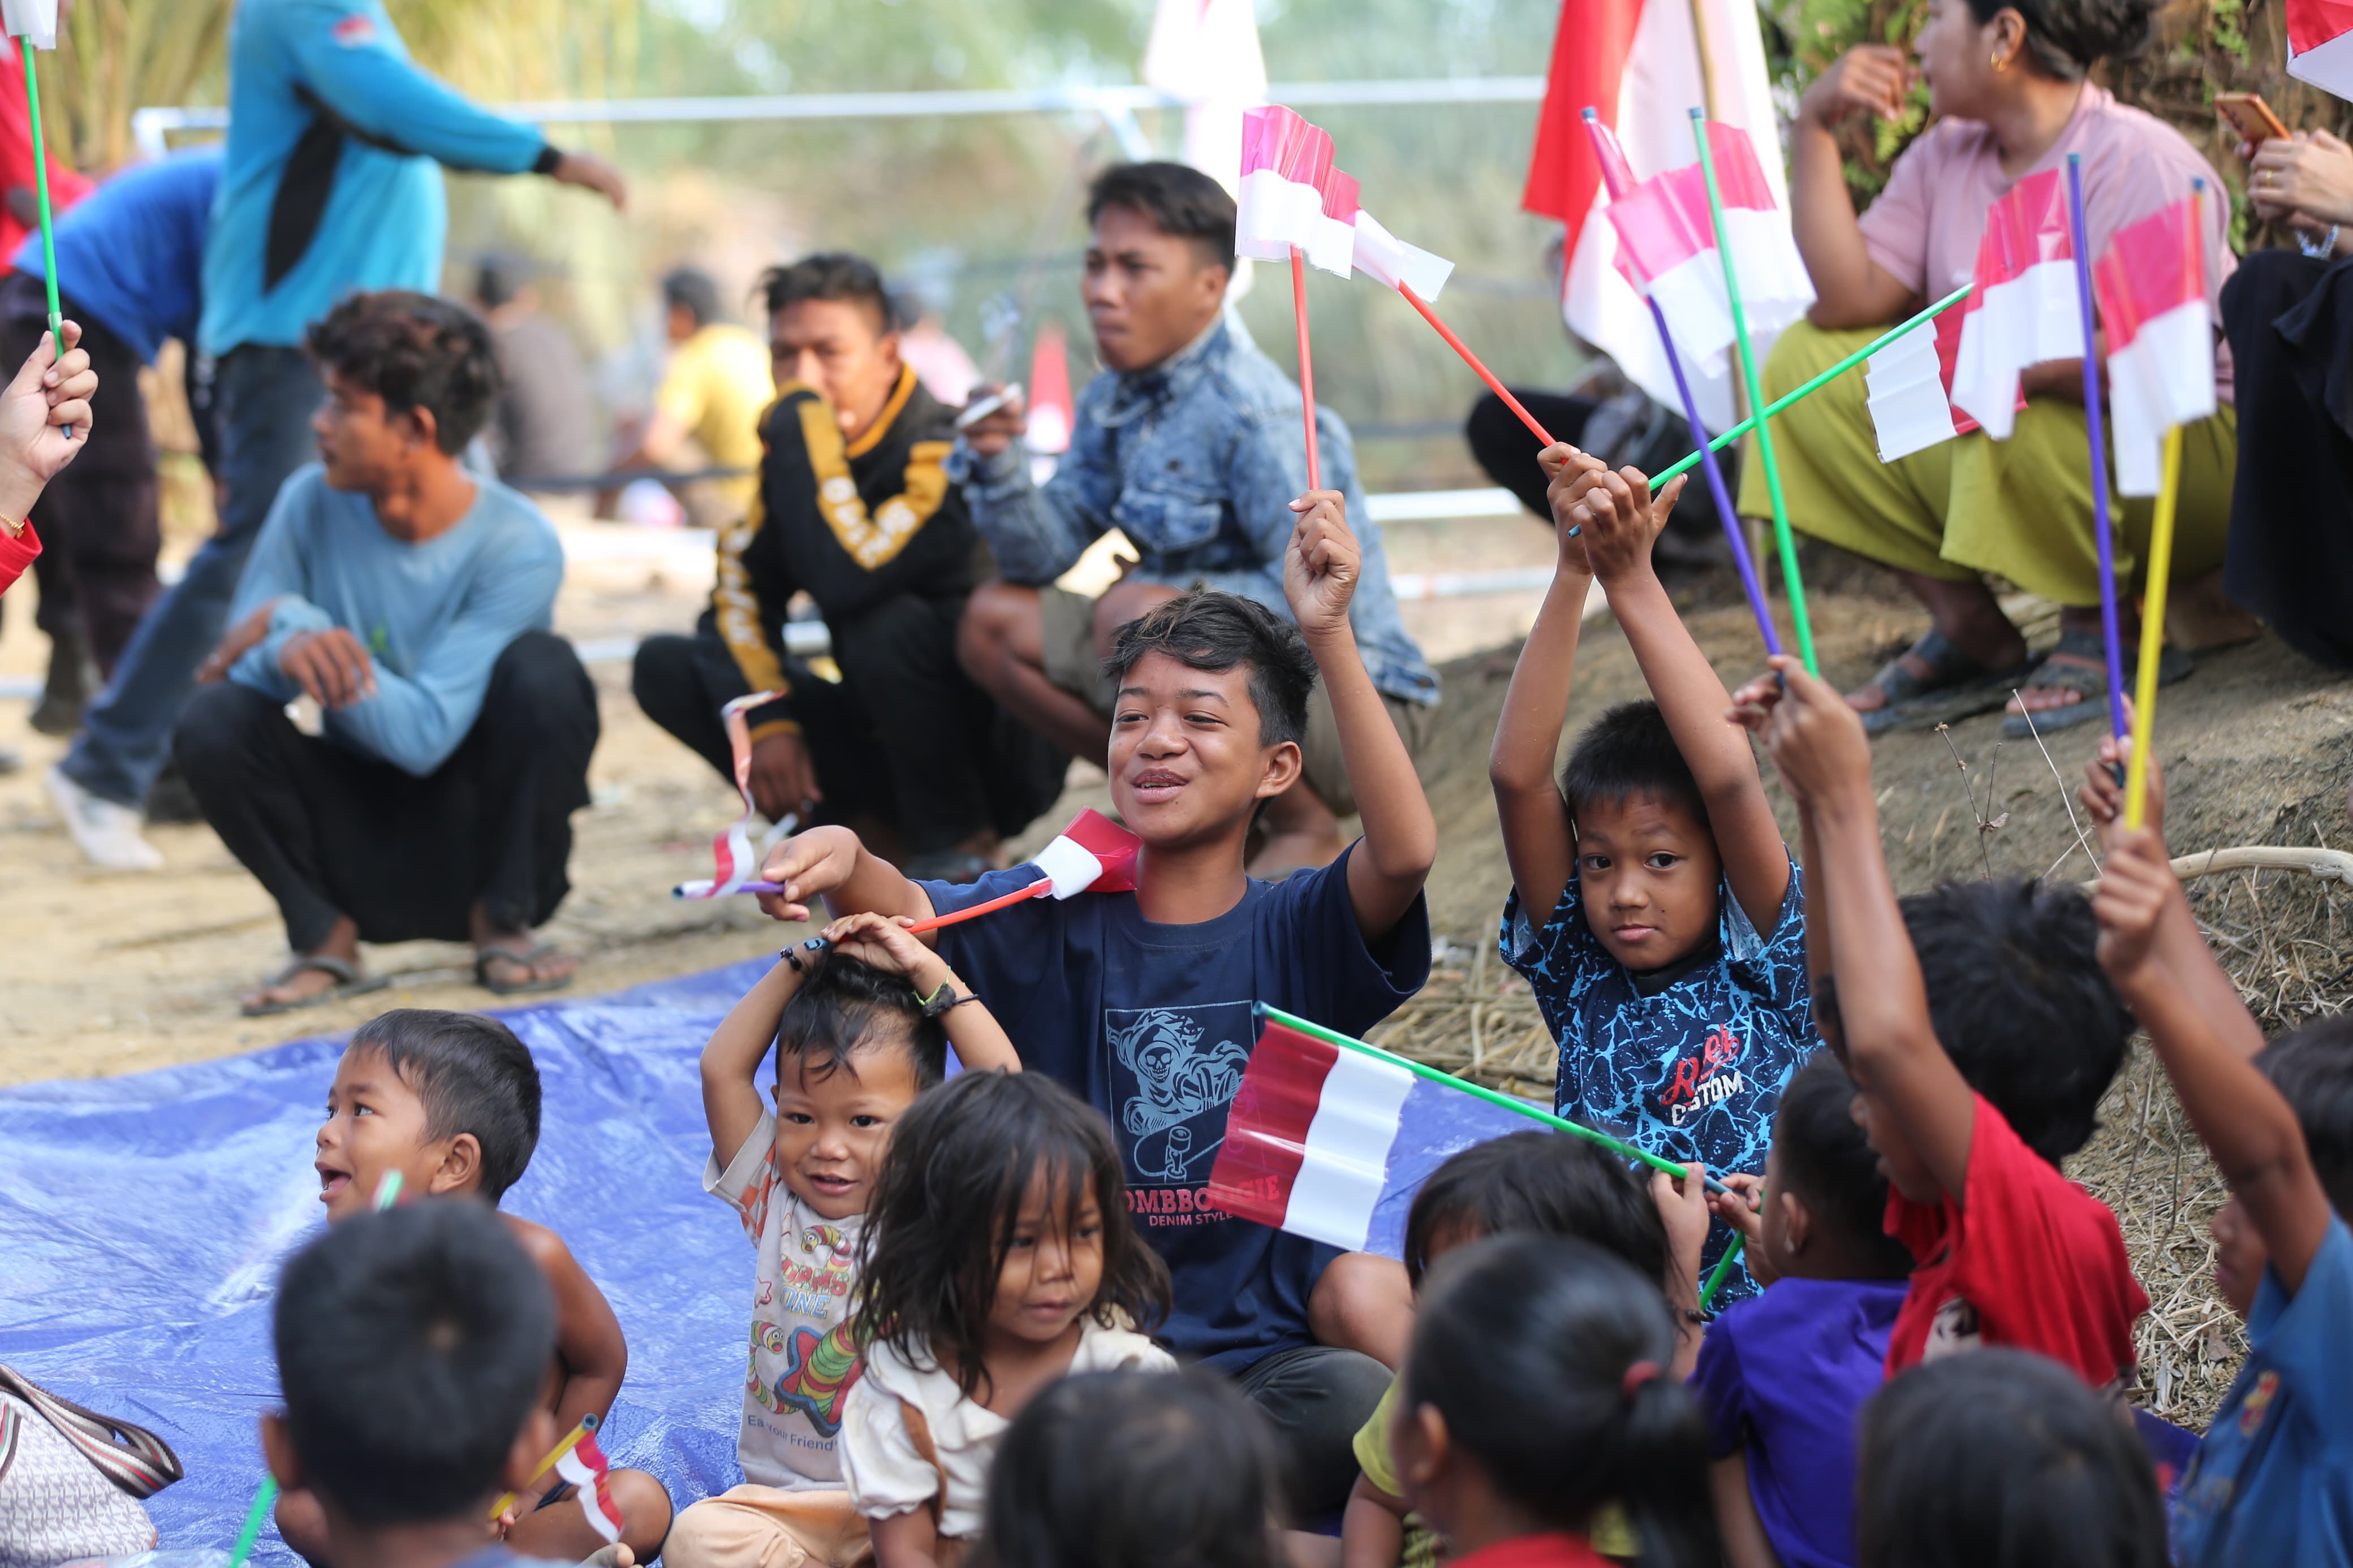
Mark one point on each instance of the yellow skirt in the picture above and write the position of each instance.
(2019, 509)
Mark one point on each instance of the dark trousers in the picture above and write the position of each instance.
(100, 519)
(265, 397)
(1317, 1399)
(1507, 450)
(905, 735)
(2289, 319)
(330, 832)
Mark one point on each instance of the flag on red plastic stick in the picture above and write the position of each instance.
(1205, 54)
(2024, 309)
(731, 852)
(582, 1465)
(1641, 65)
(2320, 44)
(1092, 855)
(1287, 187)
(1666, 249)
(1332, 1143)
(2151, 283)
(1391, 262)
(1050, 392)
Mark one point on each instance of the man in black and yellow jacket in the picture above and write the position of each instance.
(855, 510)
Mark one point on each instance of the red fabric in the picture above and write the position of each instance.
(1266, 1131)
(2149, 268)
(66, 187)
(1559, 1549)
(16, 554)
(1588, 64)
(2312, 23)
(2040, 1261)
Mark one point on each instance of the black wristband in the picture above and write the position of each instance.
(549, 156)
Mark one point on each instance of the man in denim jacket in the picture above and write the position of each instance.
(1189, 442)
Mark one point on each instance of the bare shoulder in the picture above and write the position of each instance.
(543, 1245)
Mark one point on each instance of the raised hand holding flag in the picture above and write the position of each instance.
(34, 24)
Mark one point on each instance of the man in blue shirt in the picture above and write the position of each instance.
(1189, 442)
(412, 602)
(329, 185)
(129, 255)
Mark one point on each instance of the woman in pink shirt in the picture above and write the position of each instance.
(2007, 99)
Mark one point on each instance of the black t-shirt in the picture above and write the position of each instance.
(1151, 1024)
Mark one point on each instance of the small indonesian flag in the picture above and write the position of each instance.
(732, 853)
(1092, 855)
(1666, 249)
(2025, 308)
(1050, 392)
(35, 21)
(1911, 390)
(1332, 1144)
(2320, 44)
(1391, 262)
(582, 1465)
(2151, 284)
(1291, 196)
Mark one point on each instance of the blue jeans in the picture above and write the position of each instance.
(265, 396)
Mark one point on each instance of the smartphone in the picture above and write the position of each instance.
(987, 405)
(2251, 117)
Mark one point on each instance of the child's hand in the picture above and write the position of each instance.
(1684, 1209)
(809, 865)
(2130, 902)
(1565, 468)
(1743, 1208)
(1816, 740)
(888, 946)
(1319, 566)
(2103, 798)
(1753, 704)
(1619, 520)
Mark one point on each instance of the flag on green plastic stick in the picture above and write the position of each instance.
(34, 24)
(1782, 539)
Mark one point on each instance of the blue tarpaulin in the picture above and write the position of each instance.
(144, 1221)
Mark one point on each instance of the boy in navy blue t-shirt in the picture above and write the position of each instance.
(1654, 911)
(2273, 1481)
(1141, 1002)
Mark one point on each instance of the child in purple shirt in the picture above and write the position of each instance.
(1782, 1376)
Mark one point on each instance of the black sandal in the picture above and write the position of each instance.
(2085, 673)
(349, 981)
(1948, 687)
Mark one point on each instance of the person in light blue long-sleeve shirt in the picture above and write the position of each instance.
(331, 183)
(412, 601)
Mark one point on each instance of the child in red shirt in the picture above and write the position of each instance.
(1981, 1033)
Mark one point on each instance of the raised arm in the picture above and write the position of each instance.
(731, 1059)
(1400, 839)
(1922, 1110)
(2242, 1119)
(831, 863)
(1538, 843)
(980, 1042)
(589, 1344)
(1621, 520)
(1851, 288)
(1752, 709)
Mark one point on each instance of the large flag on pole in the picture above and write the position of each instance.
(1205, 53)
(2151, 283)
(2024, 311)
(1641, 65)
(1666, 249)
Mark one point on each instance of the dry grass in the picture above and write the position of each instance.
(2279, 936)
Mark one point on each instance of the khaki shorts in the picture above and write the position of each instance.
(766, 1527)
(1066, 632)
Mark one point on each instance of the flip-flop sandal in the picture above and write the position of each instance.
(2088, 679)
(348, 981)
(1951, 686)
(529, 958)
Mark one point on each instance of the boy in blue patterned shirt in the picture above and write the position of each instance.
(1654, 911)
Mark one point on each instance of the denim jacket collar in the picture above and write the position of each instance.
(1172, 378)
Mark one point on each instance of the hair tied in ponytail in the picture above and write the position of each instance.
(1640, 1373)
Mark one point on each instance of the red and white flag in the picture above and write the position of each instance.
(2025, 308)
(582, 1465)
(1638, 64)
(1332, 1143)
(1205, 54)
(1050, 392)
(2320, 44)
(1092, 855)
(1391, 262)
(35, 21)
(733, 857)
(1910, 385)
(1292, 195)
(1667, 249)
(2151, 284)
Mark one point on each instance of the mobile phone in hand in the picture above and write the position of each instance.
(2251, 117)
